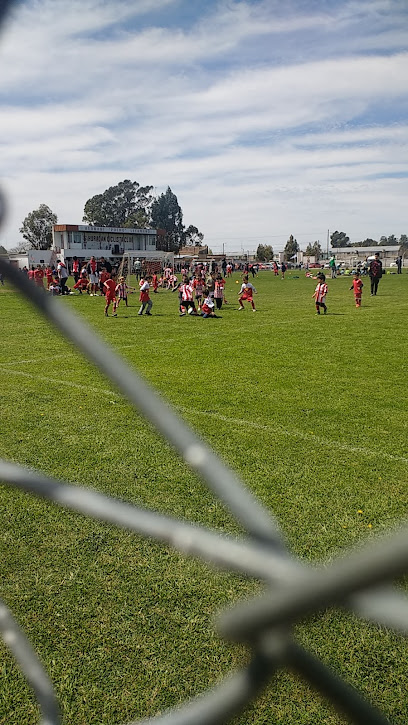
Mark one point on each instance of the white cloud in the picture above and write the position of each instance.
(247, 143)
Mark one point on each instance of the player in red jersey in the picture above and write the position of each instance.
(110, 294)
(48, 274)
(246, 293)
(357, 287)
(198, 285)
(103, 276)
(82, 284)
(144, 297)
(39, 276)
(320, 293)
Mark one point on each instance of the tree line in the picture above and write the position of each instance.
(340, 239)
(126, 205)
(264, 252)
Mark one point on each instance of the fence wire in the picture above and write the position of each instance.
(359, 581)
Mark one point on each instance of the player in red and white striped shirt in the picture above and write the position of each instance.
(198, 284)
(320, 293)
(186, 291)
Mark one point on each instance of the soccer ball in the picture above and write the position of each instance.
(236, 281)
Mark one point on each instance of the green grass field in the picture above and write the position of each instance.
(311, 412)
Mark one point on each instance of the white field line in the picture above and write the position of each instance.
(65, 354)
(311, 437)
(278, 430)
(58, 381)
(33, 362)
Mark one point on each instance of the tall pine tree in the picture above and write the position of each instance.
(167, 214)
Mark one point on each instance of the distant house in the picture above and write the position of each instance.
(84, 241)
(30, 258)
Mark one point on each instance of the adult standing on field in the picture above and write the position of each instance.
(62, 276)
(399, 264)
(137, 267)
(105, 263)
(333, 267)
(375, 272)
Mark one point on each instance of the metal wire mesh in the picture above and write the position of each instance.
(293, 588)
(358, 581)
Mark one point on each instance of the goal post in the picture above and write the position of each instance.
(151, 263)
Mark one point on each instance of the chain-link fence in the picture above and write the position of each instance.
(358, 581)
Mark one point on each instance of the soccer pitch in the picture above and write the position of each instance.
(310, 411)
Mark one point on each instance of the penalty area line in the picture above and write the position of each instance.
(293, 432)
(311, 437)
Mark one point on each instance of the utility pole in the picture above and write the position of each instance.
(328, 237)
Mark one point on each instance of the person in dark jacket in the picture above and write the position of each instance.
(375, 271)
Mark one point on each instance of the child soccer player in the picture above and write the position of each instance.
(207, 309)
(83, 283)
(357, 287)
(103, 276)
(186, 294)
(246, 293)
(219, 291)
(144, 296)
(122, 291)
(198, 286)
(320, 293)
(39, 276)
(54, 288)
(110, 294)
(48, 274)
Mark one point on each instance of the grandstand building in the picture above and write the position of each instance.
(82, 241)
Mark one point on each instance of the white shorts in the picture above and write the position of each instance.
(93, 278)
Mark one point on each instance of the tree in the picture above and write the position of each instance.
(339, 239)
(192, 237)
(403, 242)
(125, 205)
(21, 248)
(264, 253)
(167, 214)
(392, 240)
(314, 250)
(37, 228)
(291, 248)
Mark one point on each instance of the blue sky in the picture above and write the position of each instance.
(266, 118)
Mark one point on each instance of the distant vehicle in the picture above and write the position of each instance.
(393, 264)
(316, 265)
